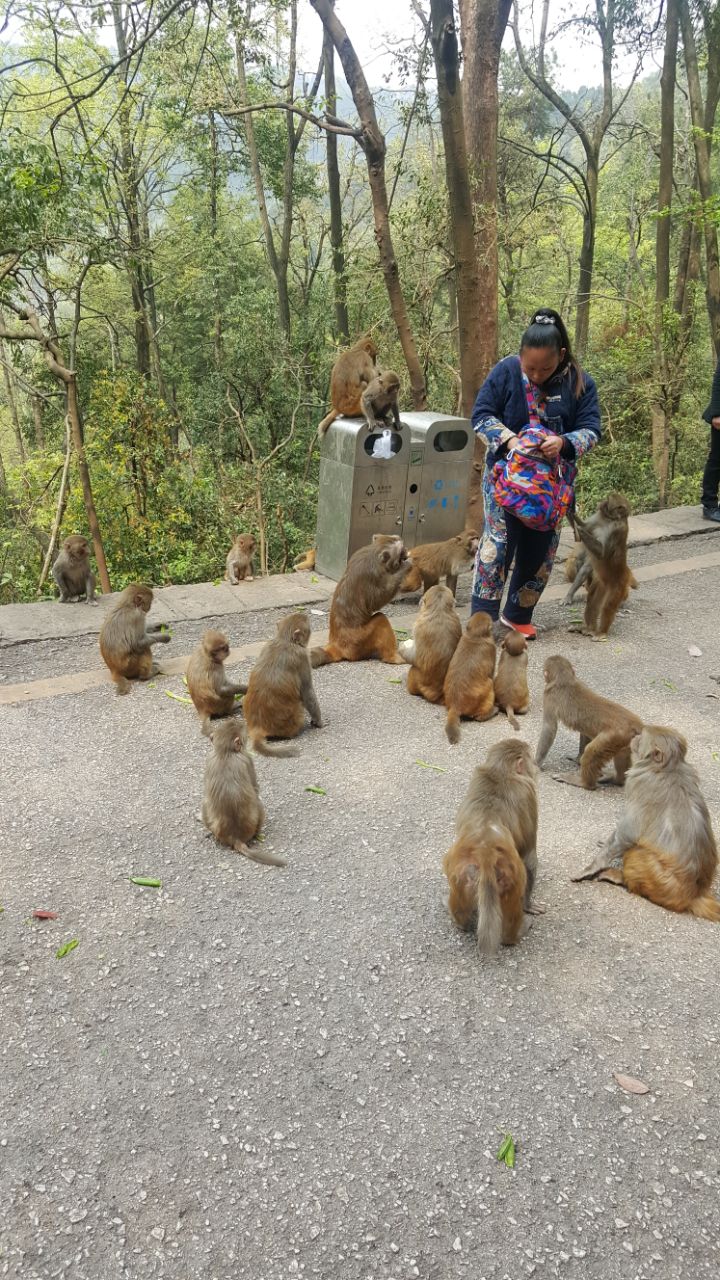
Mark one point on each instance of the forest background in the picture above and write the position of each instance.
(202, 202)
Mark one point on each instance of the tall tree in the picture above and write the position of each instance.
(703, 119)
(342, 323)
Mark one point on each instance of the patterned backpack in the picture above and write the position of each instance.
(532, 487)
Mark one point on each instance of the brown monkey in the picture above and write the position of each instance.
(606, 729)
(469, 681)
(663, 847)
(231, 809)
(212, 693)
(352, 372)
(370, 580)
(492, 865)
(379, 401)
(608, 579)
(436, 634)
(578, 569)
(72, 571)
(125, 641)
(238, 565)
(511, 684)
(434, 560)
(306, 561)
(280, 689)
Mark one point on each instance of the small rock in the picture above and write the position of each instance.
(457, 1244)
(158, 1233)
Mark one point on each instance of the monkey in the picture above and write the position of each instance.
(436, 635)
(468, 689)
(72, 572)
(379, 401)
(125, 641)
(306, 561)
(238, 565)
(434, 560)
(370, 581)
(663, 847)
(351, 374)
(492, 865)
(511, 685)
(605, 569)
(578, 568)
(232, 809)
(280, 689)
(212, 693)
(606, 729)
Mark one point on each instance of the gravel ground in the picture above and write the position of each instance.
(256, 1073)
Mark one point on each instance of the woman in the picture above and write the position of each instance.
(711, 474)
(544, 385)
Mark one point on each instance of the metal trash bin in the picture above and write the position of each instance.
(441, 453)
(359, 495)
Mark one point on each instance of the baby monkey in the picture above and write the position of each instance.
(212, 693)
(231, 809)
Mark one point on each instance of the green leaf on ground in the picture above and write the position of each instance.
(148, 882)
(506, 1152)
(424, 765)
(66, 948)
(318, 791)
(177, 698)
(394, 680)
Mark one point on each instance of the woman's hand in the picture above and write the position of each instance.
(715, 422)
(550, 448)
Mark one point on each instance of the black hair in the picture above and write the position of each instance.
(547, 329)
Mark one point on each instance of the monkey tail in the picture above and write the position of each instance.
(489, 930)
(633, 582)
(320, 657)
(508, 711)
(327, 420)
(452, 727)
(256, 855)
(263, 748)
(705, 907)
(571, 567)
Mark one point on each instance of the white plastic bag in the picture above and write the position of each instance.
(382, 447)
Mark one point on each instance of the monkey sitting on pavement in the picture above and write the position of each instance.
(238, 565)
(125, 639)
(280, 689)
(357, 630)
(72, 572)
(212, 693)
(468, 689)
(511, 684)
(492, 865)
(606, 729)
(232, 809)
(436, 634)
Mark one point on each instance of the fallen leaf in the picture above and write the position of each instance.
(148, 882)
(394, 680)
(66, 947)
(630, 1084)
(506, 1152)
(176, 697)
(424, 765)
(184, 680)
(314, 579)
(318, 791)
(694, 651)
(45, 915)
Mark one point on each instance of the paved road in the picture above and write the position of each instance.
(251, 1074)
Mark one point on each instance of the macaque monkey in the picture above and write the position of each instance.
(238, 566)
(511, 684)
(125, 640)
(72, 572)
(211, 691)
(606, 729)
(469, 681)
(435, 560)
(492, 865)
(352, 373)
(370, 581)
(663, 847)
(379, 401)
(436, 634)
(604, 569)
(231, 809)
(280, 689)
(306, 561)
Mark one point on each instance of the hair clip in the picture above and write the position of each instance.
(543, 319)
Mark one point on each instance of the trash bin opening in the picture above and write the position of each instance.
(450, 441)
(395, 441)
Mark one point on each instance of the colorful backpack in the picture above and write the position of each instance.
(532, 487)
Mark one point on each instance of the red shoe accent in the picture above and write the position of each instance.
(525, 628)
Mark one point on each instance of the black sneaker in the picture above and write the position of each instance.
(712, 513)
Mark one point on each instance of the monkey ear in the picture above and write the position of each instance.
(658, 756)
(298, 636)
(520, 765)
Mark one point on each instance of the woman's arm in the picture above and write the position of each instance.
(489, 409)
(588, 428)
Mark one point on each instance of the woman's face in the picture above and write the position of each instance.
(539, 363)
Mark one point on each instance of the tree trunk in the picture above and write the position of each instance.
(702, 159)
(372, 142)
(37, 408)
(586, 261)
(665, 358)
(483, 24)
(76, 427)
(130, 202)
(12, 404)
(342, 323)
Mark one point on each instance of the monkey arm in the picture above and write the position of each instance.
(581, 577)
(589, 538)
(366, 404)
(148, 639)
(227, 687)
(310, 702)
(547, 737)
(625, 835)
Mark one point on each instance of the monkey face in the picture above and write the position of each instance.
(393, 553)
(615, 507)
(142, 597)
(245, 542)
(76, 546)
(469, 541)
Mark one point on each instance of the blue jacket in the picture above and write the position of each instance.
(713, 409)
(501, 410)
